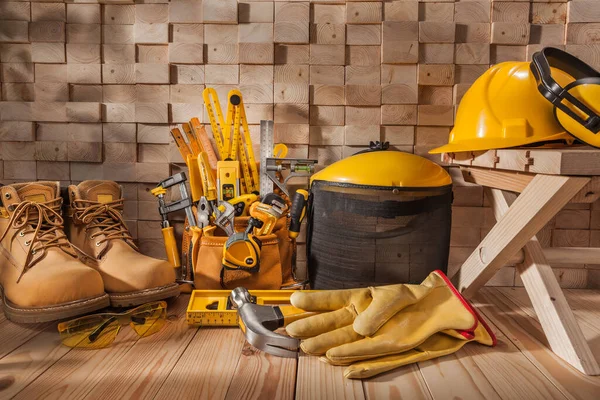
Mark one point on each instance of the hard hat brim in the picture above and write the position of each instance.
(483, 144)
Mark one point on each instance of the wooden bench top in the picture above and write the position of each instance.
(571, 160)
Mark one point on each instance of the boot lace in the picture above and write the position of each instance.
(105, 216)
(46, 223)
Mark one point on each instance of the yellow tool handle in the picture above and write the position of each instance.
(291, 314)
(210, 97)
(204, 141)
(171, 247)
(194, 177)
(189, 133)
(242, 203)
(196, 236)
(184, 150)
(267, 219)
(280, 150)
(209, 187)
(297, 212)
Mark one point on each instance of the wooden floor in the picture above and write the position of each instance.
(185, 363)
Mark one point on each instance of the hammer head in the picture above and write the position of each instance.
(258, 323)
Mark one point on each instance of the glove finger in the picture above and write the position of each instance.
(326, 300)
(387, 302)
(367, 348)
(321, 323)
(437, 345)
(376, 366)
(319, 345)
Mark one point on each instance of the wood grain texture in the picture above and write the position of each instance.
(332, 382)
(291, 22)
(292, 58)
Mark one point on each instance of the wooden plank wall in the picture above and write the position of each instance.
(89, 88)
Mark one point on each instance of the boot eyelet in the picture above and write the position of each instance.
(11, 207)
(97, 244)
(27, 243)
(22, 233)
(33, 251)
(7, 195)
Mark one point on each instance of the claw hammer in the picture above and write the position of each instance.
(258, 323)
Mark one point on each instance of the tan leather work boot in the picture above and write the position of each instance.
(96, 229)
(41, 278)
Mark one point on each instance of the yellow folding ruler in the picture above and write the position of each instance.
(214, 308)
(231, 144)
(246, 152)
(183, 147)
(211, 102)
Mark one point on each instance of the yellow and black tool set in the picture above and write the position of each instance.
(228, 211)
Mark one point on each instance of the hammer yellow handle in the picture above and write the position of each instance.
(291, 314)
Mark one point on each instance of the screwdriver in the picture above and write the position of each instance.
(297, 212)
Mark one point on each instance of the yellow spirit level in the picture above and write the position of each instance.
(228, 179)
(214, 308)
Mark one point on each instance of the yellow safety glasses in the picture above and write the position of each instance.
(100, 330)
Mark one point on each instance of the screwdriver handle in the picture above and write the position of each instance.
(171, 247)
(298, 212)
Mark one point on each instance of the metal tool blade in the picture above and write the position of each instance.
(267, 140)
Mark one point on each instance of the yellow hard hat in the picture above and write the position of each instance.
(383, 170)
(504, 109)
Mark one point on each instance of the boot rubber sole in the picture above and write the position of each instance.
(143, 296)
(55, 312)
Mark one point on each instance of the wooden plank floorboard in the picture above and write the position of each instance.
(76, 373)
(402, 383)
(442, 374)
(23, 365)
(587, 316)
(318, 380)
(142, 370)
(526, 334)
(263, 376)
(14, 335)
(207, 366)
(187, 363)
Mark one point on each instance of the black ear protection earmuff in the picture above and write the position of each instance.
(576, 105)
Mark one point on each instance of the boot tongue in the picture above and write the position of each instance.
(38, 192)
(100, 191)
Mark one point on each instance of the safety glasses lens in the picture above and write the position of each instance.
(149, 319)
(92, 332)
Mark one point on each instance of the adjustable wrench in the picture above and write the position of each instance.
(224, 217)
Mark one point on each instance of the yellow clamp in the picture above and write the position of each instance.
(158, 191)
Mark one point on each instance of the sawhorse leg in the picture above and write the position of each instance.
(519, 219)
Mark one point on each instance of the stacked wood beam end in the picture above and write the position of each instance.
(89, 90)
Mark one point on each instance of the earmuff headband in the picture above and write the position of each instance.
(551, 90)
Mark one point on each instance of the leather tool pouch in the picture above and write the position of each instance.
(276, 261)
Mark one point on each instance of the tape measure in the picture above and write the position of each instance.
(214, 308)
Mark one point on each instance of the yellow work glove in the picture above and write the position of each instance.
(438, 345)
(382, 321)
(353, 313)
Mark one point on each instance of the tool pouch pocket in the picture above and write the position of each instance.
(274, 271)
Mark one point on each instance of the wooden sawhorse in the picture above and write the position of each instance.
(547, 179)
